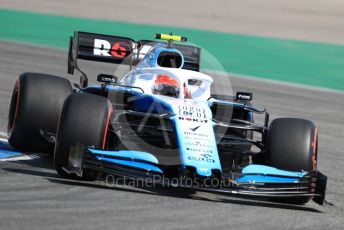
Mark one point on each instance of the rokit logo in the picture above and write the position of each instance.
(104, 48)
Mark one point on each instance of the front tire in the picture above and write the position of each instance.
(292, 144)
(84, 120)
(36, 104)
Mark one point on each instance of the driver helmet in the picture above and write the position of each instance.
(166, 85)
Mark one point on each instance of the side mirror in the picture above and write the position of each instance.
(107, 78)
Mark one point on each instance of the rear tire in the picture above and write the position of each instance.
(292, 145)
(36, 104)
(84, 120)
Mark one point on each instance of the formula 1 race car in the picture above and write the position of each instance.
(161, 121)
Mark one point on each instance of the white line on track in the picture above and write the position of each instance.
(23, 157)
(3, 134)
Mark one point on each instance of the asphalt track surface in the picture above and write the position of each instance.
(33, 196)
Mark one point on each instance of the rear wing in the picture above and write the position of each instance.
(120, 50)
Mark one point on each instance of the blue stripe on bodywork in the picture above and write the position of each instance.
(130, 154)
(265, 179)
(133, 164)
(135, 159)
(267, 174)
(267, 170)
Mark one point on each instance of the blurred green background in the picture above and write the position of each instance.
(308, 63)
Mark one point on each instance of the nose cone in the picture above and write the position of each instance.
(196, 138)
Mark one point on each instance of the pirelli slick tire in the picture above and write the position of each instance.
(292, 145)
(36, 104)
(84, 121)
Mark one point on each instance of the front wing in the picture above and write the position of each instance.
(254, 180)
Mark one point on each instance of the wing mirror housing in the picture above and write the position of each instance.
(107, 78)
